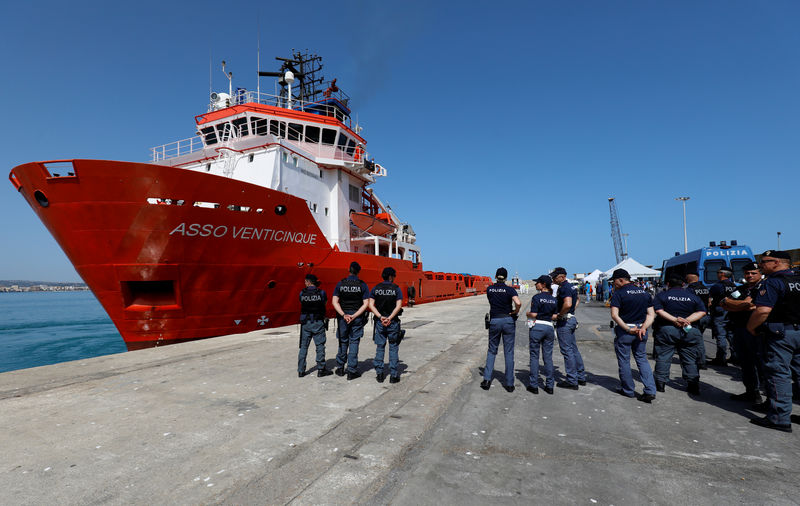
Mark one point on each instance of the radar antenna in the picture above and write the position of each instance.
(305, 67)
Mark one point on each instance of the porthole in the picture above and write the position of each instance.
(41, 198)
(280, 209)
(271, 284)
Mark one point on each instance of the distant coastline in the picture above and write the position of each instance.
(15, 285)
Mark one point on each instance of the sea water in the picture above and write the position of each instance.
(41, 328)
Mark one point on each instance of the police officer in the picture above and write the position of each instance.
(386, 303)
(694, 285)
(678, 312)
(350, 300)
(567, 298)
(719, 317)
(502, 324)
(632, 311)
(312, 325)
(542, 334)
(740, 306)
(777, 319)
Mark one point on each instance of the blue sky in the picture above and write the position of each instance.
(504, 129)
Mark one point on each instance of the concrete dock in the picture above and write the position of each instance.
(227, 421)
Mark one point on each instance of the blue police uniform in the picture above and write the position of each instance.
(312, 326)
(632, 303)
(719, 317)
(386, 295)
(680, 303)
(501, 325)
(565, 330)
(701, 290)
(750, 356)
(542, 334)
(351, 292)
(781, 339)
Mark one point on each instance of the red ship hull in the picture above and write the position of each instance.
(205, 256)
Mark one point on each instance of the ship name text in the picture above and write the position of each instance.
(262, 234)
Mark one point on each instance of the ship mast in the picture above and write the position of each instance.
(306, 69)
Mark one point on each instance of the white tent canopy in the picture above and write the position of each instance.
(634, 268)
(593, 277)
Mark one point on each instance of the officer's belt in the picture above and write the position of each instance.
(311, 318)
(544, 322)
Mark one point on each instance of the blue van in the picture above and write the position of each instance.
(707, 261)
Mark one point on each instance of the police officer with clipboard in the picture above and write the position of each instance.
(776, 319)
(350, 300)
(386, 303)
(312, 325)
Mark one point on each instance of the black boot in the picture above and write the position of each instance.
(693, 387)
(660, 386)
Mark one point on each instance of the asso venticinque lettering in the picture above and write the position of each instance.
(251, 233)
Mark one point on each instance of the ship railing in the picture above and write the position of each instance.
(243, 96)
(176, 149)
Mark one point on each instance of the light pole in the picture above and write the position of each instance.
(626, 244)
(685, 241)
(779, 241)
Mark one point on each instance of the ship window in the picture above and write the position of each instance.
(224, 130)
(312, 134)
(209, 135)
(260, 126)
(277, 128)
(251, 157)
(294, 161)
(315, 208)
(351, 145)
(328, 136)
(208, 166)
(240, 127)
(342, 141)
(326, 211)
(295, 132)
(354, 193)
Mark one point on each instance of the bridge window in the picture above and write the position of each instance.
(351, 146)
(342, 141)
(209, 135)
(240, 127)
(224, 131)
(295, 132)
(259, 126)
(328, 136)
(312, 134)
(277, 128)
